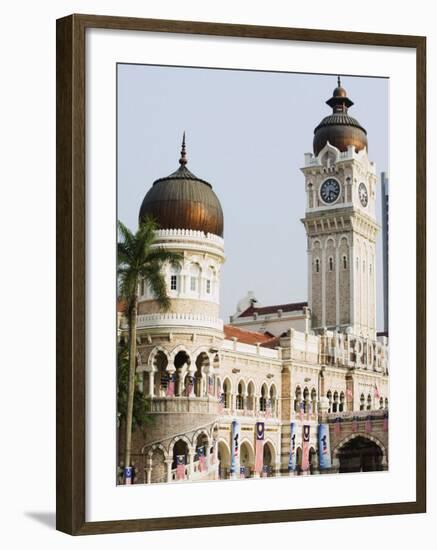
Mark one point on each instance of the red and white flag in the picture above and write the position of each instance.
(259, 447)
(180, 466)
(305, 447)
(189, 387)
(170, 387)
(349, 393)
(202, 459)
(376, 392)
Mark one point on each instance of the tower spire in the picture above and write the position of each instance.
(183, 159)
(338, 81)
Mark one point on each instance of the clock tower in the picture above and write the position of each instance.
(340, 223)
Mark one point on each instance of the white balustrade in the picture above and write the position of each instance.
(179, 319)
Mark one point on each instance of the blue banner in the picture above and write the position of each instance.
(292, 459)
(324, 447)
(235, 448)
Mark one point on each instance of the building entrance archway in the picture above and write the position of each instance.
(224, 457)
(360, 455)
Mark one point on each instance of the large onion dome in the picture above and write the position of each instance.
(183, 201)
(340, 129)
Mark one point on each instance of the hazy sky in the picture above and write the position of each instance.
(246, 134)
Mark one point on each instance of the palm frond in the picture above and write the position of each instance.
(153, 275)
(162, 255)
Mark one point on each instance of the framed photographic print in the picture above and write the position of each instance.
(241, 324)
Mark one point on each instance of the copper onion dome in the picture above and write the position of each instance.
(183, 201)
(340, 129)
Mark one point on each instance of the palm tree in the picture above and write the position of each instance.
(140, 258)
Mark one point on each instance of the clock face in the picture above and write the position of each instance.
(330, 190)
(363, 195)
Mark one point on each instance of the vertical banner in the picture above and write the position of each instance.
(235, 458)
(128, 475)
(324, 447)
(305, 447)
(259, 447)
(292, 459)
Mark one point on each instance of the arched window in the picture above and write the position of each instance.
(227, 394)
(369, 402)
(331, 263)
(344, 262)
(208, 282)
(306, 400)
(341, 405)
(381, 403)
(194, 277)
(263, 398)
(240, 396)
(273, 400)
(173, 282)
(362, 402)
(317, 265)
(297, 399)
(329, 397)
(250, 396)
(386, 403)
(174, 278)
(314, 400)
(335, 403)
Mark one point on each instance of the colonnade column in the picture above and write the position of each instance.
(168, 463)
(190, 458)
(151, 375)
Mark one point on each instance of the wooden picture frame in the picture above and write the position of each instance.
(71, 253)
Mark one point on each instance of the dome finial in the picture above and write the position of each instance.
(338, 81)
(183, 159)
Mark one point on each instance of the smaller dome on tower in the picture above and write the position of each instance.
(339, 128)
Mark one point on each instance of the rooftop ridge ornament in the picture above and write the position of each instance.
(183, 160)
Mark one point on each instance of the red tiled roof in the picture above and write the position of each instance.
(248, 336)
(273, 309)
